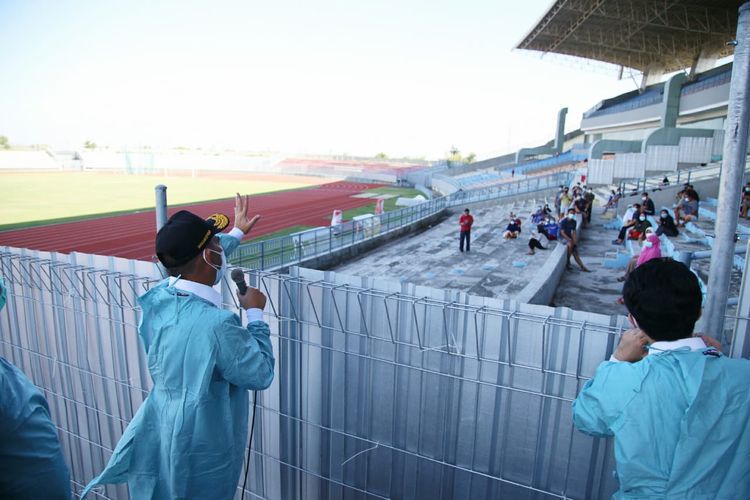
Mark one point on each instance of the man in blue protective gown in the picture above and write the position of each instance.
(678, 409)
(31, 462)
(188, 438)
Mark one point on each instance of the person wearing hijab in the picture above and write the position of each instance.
(188, 438)
(651, 249)
(678, 409)
(31, 461)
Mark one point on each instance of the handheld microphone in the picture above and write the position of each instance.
(239, 279)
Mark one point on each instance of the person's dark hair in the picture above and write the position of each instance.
(185, 269)
(644, 194)
(466, 210)
(664, 297)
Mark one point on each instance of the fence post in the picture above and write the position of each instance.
(161, 205)
(262, 255)
(730, 182)
(161, 216)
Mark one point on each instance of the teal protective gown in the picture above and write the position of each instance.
(681, 423)
(31, 462)
(188, 438)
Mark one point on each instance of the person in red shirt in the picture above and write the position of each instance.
(465, 221)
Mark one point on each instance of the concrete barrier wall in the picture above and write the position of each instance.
(542, 287)
(335, 258)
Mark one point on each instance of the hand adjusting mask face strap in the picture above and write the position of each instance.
(220, 271)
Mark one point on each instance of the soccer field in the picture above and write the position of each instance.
(45, 196)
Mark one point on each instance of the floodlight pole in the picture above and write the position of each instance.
(730, 183)
(161, 205)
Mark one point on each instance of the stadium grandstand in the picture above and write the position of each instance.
(408, 370)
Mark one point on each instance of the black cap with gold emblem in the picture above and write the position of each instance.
(185, 235)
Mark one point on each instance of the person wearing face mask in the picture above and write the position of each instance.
(589, 197)
(638, 232)
(678, 410)
(188, 438)
(569, 235)
(687, 209)
(565, 200)
(651, 249)
(745, 201)
(667, 226)
(629, 219)
(647, 204)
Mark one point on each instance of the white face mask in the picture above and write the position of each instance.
(220, 271)
(644, 198)
(687, 200)
(571, 216)
(647, 244)
(642, 218)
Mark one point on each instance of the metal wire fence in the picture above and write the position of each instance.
(382, 390)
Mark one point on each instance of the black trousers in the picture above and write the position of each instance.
(465, 236)
(534, 243)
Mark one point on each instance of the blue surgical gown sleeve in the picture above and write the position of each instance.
(31, 461)
(602, 400)
(244, 356)
(228, 243)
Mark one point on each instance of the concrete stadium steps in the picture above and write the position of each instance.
(494, 267)
(598, 291)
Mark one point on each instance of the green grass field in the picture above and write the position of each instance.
(390, 204)
(41, 197)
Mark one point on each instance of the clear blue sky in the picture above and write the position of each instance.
(405, 77)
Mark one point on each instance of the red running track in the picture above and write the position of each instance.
(132, 236)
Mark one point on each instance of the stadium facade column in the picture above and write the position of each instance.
(730, 183)
(671, 103)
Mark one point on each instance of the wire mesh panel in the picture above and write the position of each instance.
(383, 389)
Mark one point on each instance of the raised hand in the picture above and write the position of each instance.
(241, 218)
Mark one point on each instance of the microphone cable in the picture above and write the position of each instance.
(250, 445)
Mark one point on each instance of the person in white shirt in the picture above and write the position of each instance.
(188, 438)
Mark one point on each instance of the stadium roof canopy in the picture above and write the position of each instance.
(668, 35)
